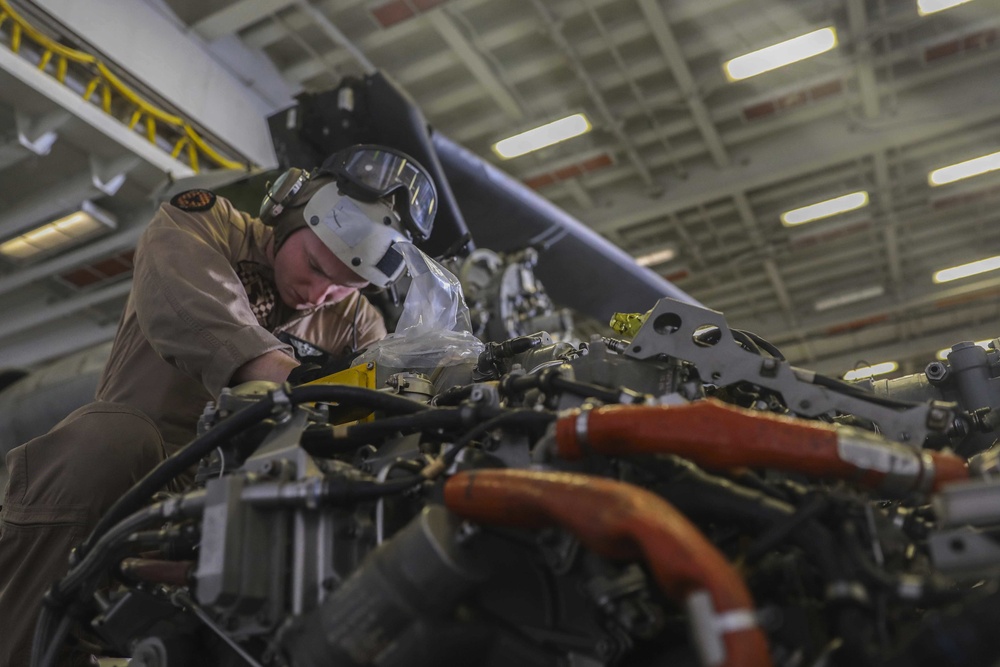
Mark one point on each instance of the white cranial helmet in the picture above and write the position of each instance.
(361, 234)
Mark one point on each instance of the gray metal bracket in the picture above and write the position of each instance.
(672, 327)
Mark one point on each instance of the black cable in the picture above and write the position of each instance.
(780, 532)
(174, 465)
(931, 593)
(746, 342)
(321, 441)
(764, 344)
(46, 643)
(200, 447)
(701, 495)
(65, 592)
(340, 492)
(440, 418)
(550, 379)
(856, 392)
(453, 395)
(354, 323)
(347, 491)
(524, 415)
(355, 397)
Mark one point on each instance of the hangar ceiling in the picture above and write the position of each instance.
(679, 157)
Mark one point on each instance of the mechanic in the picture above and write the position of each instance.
(215, 292)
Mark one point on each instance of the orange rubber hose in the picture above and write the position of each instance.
(719, 436)
(619, 521)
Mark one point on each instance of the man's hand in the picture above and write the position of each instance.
(273, 366)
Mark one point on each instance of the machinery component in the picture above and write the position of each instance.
(320, 539)
(719, 437)
(674, 328)
(421, 573)
(625, 522)
(965, 553)
(975, 503)
(970, 377)
(507, 300)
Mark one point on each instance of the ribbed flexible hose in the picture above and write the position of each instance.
(621, 521)
(719, 436)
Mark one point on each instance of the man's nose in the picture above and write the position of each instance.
(319, 290)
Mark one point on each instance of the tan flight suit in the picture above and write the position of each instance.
(189, 323)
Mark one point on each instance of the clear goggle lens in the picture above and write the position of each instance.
(381, 172)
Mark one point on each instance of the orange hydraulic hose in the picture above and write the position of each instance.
(719, 436)
(621, 521)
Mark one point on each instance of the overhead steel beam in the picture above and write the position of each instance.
(320, 20)
(779, 288)
(53, 311)
(235, 17)
(611, 123)
(912, 298)
(857, 17)
(915, 348)
(579, 194)
(804, 150)
(47, 345)
(45, 206)
(685, 80)
(474, 62)
(887, 208)
(24, 79)
(114, 243)
(748, 218)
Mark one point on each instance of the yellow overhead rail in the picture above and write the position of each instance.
(105, 83)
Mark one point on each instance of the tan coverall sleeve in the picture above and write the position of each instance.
(189, 302)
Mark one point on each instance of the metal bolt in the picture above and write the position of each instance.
(314, 220)
(936, 371)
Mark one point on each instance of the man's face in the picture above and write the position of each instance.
(307, 273)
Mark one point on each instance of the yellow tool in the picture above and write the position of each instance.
(363, 376)
(628, 324)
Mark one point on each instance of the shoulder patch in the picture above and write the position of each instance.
(194, 200)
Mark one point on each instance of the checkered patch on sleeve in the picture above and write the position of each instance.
(194, 200)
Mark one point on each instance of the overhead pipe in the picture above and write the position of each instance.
(621, 521)
(718, 436)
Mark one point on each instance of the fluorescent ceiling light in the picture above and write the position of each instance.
(966, 270)
(59, 234)
(925, 7)
(850, 297)
(658, 257)
(781, 54)
(967, 169)
(540, 137)
(825, 209)
(871, 371)
(943, 354)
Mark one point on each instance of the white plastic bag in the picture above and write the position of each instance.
(434, 329)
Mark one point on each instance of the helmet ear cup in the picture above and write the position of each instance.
(280, 193)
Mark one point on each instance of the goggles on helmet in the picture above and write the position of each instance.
(368, 172)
